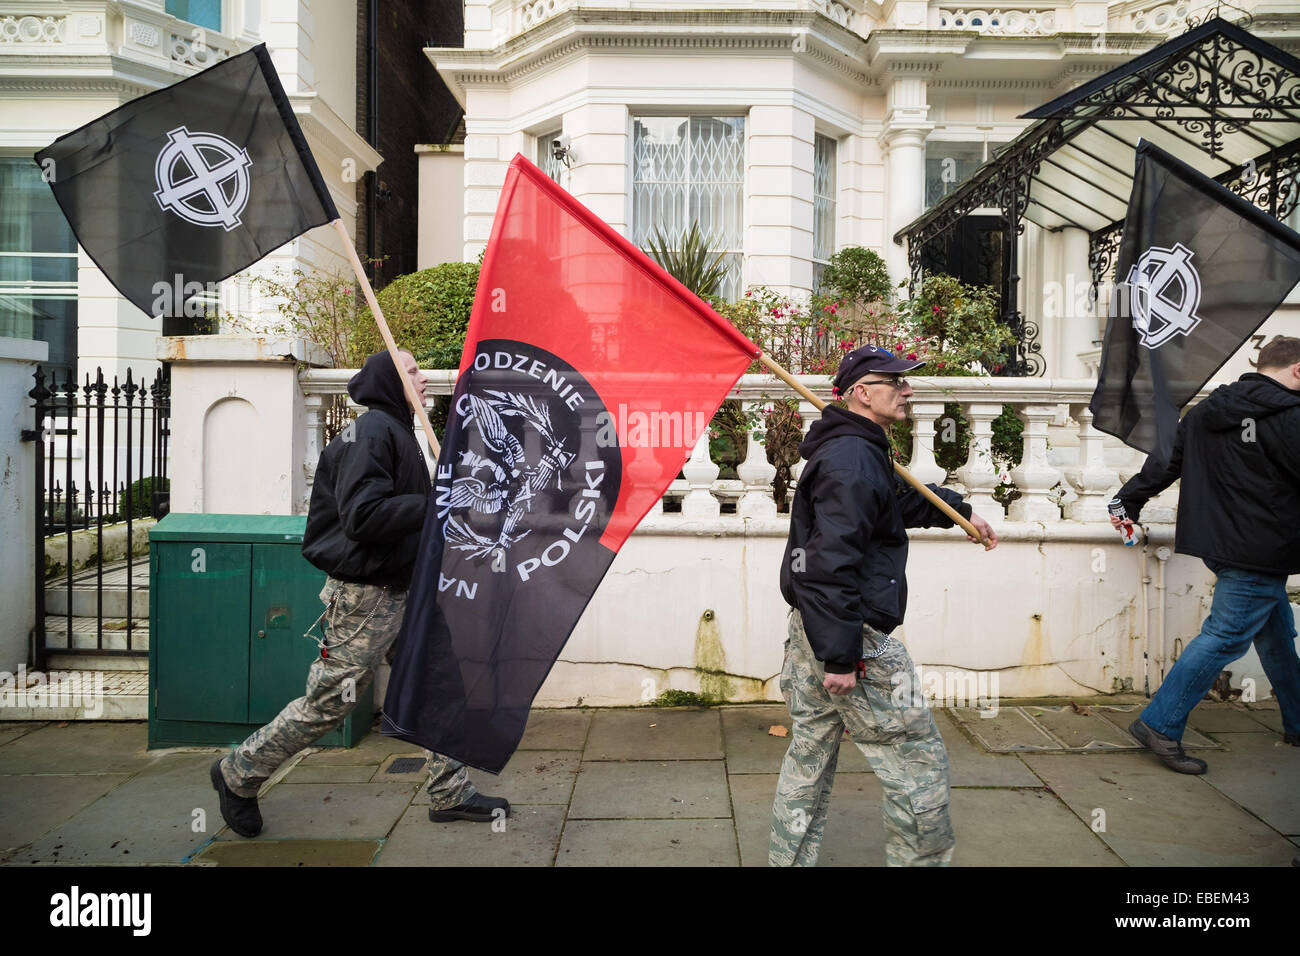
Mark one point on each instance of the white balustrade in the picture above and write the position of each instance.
(1083, 484)
(1091, 478)
(756, 472)
(1035, 477)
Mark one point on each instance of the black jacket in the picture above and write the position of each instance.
(1238, 453)
(371, 488)
(846, 561)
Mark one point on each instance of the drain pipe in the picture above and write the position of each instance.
(1162, 556)
(1146, 619)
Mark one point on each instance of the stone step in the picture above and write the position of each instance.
(85, 631)
(80, 694)
(91, 661)
(85, 601)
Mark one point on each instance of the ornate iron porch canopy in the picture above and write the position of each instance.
(1217, 97)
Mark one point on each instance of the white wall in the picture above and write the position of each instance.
(18, 360)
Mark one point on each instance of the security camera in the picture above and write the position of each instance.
(562, 150)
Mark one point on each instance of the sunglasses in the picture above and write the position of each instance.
(897, 384)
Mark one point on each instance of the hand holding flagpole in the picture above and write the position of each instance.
(899, 470)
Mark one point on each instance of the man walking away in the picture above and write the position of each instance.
(1238, 454)
(367, 510)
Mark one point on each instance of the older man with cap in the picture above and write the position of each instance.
(844, 577)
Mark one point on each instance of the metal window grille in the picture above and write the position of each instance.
(823, 204)
(691, 169)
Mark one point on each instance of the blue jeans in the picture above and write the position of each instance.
(1247, 607)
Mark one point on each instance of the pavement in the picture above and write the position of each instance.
(1041, 783)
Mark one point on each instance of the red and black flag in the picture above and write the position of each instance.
(1199, 269)
(183, 187)
(588, 375)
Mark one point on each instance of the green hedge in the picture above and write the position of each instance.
(428, 312)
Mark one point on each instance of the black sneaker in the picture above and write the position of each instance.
(1292, 739)
(1169, 751)
(240, 813)
(479, 808)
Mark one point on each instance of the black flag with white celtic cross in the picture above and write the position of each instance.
(183, 187)
(1199, 270)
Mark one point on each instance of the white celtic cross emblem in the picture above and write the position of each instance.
(215, 190)
(1166, 290)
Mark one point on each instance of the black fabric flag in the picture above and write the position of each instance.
(183, 187)
(1199, 270)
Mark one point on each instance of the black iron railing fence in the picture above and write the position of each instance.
(102, 454)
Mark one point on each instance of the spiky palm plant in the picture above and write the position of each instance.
(690, 260)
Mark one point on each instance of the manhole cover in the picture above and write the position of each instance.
(405, 765)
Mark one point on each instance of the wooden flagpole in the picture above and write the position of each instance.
(899, 470)
(407, 385)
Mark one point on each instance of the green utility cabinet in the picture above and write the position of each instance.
(230, 597)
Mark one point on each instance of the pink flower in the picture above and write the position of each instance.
(934, 309)
(912, 356)
(832, 310)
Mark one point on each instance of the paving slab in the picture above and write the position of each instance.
(32, 805)
(653, 733)
(971, 766)
(288, 853)
(1002, 827)
(532, 778)
(324, 811)
(148, 819)
(1084, 730)
(556, 730)
(855, 829)
(1210, 717)
(329, 773)
(13, 730)
(751, 749)
(79, 747)
(1010, 730)
(1262, 774)
(530, 837)
(1121, 715)
(647, 843)
(1271, 719)
(646, 789)
(373, 750)
(1155, 817)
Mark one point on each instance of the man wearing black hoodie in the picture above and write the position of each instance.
(844, 577)
(1238, 454)
(367, 510)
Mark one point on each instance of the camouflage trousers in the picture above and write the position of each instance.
(361, 624)
(901, 743)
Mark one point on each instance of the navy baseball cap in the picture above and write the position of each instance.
(867, 359)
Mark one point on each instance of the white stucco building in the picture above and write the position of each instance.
(793, 128)
(66, 62)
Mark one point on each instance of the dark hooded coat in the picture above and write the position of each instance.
(371, 488)
(1238, 454)
(845, 562)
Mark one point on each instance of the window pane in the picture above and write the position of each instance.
(38, 263)
(947, 165)
(204, 13)
(823, 200)
(691, 169)
(546, 156)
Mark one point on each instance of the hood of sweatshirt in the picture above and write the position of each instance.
(1251, 396)
(837, 421)
(379, 385)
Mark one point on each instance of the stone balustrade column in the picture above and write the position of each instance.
(701, 473)
(313, 406)
(980, 474)
(809, 413)
(644, 467)
(755, 471)
(1034, 476)
(1091, 478)
(923, 464)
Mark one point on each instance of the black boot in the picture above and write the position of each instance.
(1292, 739)
(240, 813)
(479, 808)
(1169, 751)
